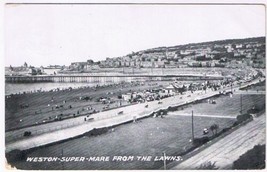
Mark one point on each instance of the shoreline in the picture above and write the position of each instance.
(69, 97)
(119, 120)
(140, 113)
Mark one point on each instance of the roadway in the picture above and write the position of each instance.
(58, 131)
(201, 115)
(227, 150)
(102, 119)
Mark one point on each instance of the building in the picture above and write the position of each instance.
(238, 45)
(126, 96)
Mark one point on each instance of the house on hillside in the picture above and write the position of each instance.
(238, 46)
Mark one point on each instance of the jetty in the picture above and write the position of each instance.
(105, 77)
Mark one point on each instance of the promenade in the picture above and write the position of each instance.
(55, 132)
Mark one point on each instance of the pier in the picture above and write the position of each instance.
(95, 78)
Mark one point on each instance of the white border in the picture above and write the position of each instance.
(2, 84)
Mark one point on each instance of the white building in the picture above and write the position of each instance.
(126, 97)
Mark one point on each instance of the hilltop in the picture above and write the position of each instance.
(231, 53)
(221, 53)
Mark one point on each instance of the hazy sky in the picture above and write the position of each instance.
(61, 34)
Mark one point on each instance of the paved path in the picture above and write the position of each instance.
(57, 131)
(133, 110)
(201, 115)
(106, 119)
(227, 150)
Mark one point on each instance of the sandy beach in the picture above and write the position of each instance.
(37, 108)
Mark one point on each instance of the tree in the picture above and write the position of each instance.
(182, 89)
(214, 128)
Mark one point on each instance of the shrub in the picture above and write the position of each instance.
(252, 159)
(235, 123)
(200, 141)
(242, 118)
(97, 131)
(208, 166)
(15, 155)
(213, 128)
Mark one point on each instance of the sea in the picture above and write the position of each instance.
(19, 88)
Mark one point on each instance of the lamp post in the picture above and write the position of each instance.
(164, 160)
(192, 126)
(241, 104)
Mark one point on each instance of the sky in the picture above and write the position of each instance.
(43, 35)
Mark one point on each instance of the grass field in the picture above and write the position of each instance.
(225, 105)
(260, 86)
(151, 137)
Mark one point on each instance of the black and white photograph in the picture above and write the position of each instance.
(134, 85)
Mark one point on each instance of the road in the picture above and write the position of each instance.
(56, 131)
(17, 117)
(227, 150)
(201, 115)
(102, 119)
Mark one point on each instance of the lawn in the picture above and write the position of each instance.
(149, 137)
(225, 105)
